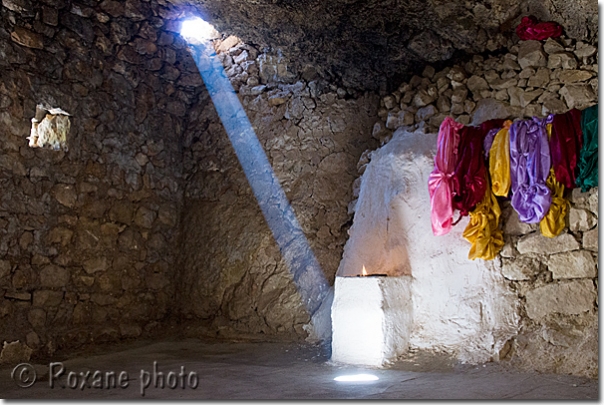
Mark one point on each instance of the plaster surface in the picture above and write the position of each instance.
(371, 319)
(475, 313)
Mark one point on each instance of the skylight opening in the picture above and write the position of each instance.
(196, 30)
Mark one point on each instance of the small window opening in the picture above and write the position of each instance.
(49, 128)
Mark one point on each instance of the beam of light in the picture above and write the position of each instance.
(293, 245)
(356, 378)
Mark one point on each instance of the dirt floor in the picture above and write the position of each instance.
(195, 369)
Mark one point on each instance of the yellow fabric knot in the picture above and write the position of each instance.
(499, 161)
(483, 229)
(554, 221)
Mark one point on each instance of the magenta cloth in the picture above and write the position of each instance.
(488, 141)
(531, 28)
(565, 146)
(439, 183)
(469, 180)
(530, 164)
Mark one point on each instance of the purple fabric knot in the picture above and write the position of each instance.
(530, 163)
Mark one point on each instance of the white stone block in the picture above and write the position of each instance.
(371, 319)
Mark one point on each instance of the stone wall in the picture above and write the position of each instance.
(534, 78)
(555, 280)
(88, 235)
(234, 279)
(557, 284)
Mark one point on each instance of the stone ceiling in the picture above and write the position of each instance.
(365, 43)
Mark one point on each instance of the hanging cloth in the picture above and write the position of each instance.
(588, 159)
(499, 161)
(488, 141)
(554, 221)
(531, 28)
(529, 167)
(469, 180)
(439, 183)
(565, 145)
(483, 229)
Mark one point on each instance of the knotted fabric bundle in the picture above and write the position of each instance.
(565, 145)
(588, 160)
(531, 28)
(499, 161)
(483, 229)
(439, 183)
(530, 164)
(469, 180)
(554, 221)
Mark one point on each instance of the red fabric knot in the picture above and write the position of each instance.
(531, 28)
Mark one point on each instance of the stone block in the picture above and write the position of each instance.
(95, 264)
(424, 113)
(569, 298)
(513, 226)
(522, 268)
(54, 276)
(579, 198)
(530, 53)
(423, 98)
(65, 194)
(27, 38)
(37, 318)
(553, 106)
(564, 60)
(581, 220)
(476, 84)
(551, 46)
(47, 298)
(586, 51)
(590, 240)
(15, 352)
(522, 98)
(144, 217)
(540, 79)
(4, 268)
(577, 264)
(537, 243)
(501, 84)
(593, 201)
(578, 96)
(18, 295)
(574, 76)
(371, 319)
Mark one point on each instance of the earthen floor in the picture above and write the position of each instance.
(277, 370)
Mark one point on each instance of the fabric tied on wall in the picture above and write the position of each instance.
(439, 183)
(499, 161)
(530, 164)
(588, 160)
(483, 229)
(469, 180)
(530, 28)
(565, 145)
(554, 221)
